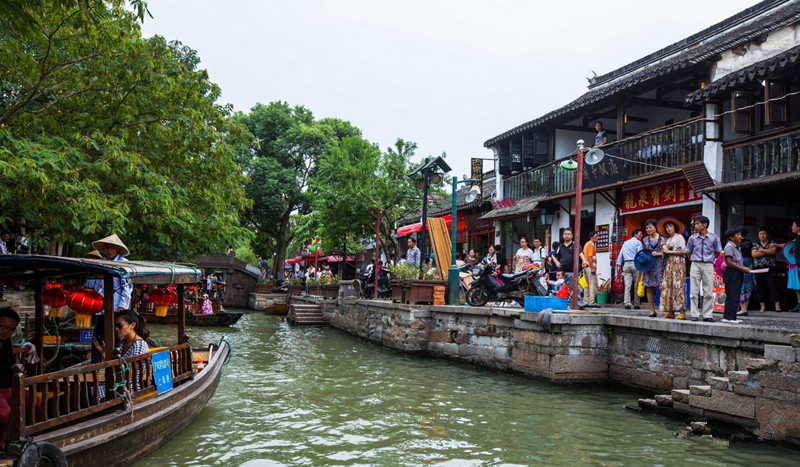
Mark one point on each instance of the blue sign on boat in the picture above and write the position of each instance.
(162, 371)
(86, 335)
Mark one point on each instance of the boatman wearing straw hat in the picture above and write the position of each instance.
(113, 248)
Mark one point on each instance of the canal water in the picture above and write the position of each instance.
(318, 396)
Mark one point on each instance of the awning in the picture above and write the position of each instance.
(793, 177)
(294, 260)
(697, 175)
(335, 259)
(417, 227)
(523, 207)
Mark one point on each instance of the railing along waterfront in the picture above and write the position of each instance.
(53, 400)
(761, 158)
(643, 154)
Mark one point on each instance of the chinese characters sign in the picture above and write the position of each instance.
(658, 195)
(602, 238)
(606, 172)
(504, 203)
(162, 371)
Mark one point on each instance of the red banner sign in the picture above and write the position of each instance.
(659, 195)
(504, 203)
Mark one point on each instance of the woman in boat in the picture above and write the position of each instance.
(9, 319)
(208, 308)
(131, 331)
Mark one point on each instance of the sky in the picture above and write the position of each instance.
(445, 74)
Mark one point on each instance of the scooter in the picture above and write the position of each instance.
(384, 286)
(489, 287)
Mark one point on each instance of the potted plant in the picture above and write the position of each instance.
(422, 290)
(401, 274)
(330, 286)
(264, 285)
(314, 287)
(295, 286)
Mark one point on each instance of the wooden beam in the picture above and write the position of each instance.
(621, 121)
(632, 118)
(579, 128)
(658, 103)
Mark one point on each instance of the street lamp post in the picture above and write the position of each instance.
(452, 275)
(577, 236)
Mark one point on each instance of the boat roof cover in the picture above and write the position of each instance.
(27, 267)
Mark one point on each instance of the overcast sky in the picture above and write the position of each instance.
(447, 75)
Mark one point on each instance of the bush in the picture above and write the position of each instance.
(404, 271)
(295, 281)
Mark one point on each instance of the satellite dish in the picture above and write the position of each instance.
(594, 156)
(472, 194)
(569, 165)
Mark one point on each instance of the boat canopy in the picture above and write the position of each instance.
(29, 267)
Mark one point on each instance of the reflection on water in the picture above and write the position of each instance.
(300, 396)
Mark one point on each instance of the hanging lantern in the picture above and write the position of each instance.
(55, 297)
(162, 298)
(86, 302)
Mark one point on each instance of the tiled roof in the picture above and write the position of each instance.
(737, 30)
(755, 72)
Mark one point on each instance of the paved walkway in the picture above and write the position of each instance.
(767, 318)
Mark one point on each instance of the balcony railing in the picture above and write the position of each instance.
(758, 159)
(637, 156)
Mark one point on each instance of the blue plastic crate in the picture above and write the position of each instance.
(533, 303)
(536, 303)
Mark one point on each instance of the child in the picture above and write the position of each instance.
(555, 285)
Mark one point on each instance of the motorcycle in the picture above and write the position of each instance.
(367, 284)
(487, 286)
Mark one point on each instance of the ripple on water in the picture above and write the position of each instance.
(301, 396)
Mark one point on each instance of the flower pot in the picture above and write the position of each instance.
(601, 298)
(296, 289)
(330, 290)
(422, 292)
(398, 290)
(264, 288)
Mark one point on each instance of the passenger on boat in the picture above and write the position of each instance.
(95, 284)
(9, 319)
(131, 331)
(208, 308)
(115, 250)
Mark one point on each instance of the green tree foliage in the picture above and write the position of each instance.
(357, 185)
(282, 159)
(103, 131)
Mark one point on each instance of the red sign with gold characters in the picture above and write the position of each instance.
(659, 195)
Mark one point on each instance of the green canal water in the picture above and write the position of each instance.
(318, 396)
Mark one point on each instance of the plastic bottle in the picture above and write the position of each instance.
(200, 364)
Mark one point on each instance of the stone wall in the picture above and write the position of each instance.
(747, 375)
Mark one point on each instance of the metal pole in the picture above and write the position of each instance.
(377, 251)
(426, 183)
(576, 239)
(452, 274)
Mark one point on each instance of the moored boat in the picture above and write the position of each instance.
(220, 318)
(61, 416)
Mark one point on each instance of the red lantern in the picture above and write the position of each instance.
(162, 298)
(55, 297)
(86, 302)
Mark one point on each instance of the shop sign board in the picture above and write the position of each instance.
(663, 194)
(602, 238)
(606, 172)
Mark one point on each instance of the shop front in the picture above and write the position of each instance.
(673, 198)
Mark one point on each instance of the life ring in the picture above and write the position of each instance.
(189, 316)
(35, 453)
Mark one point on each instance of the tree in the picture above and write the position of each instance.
(102, 131)
(282, 159)
(357, 185)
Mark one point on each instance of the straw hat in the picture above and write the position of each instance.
(94, 254)
(112, 240)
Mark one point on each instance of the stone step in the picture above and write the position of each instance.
(720, 382)
(700, 390)
(680, 395)
(664, 400)
(738, 376)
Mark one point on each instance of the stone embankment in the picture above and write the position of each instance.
(743, 374)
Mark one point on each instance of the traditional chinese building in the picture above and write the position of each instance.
(706, 125)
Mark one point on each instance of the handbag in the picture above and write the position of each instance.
(582, 281)
(618, 286)
(640, 287)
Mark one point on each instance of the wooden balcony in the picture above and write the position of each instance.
(762, 157)
(644, 154)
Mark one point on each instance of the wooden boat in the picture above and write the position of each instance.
(58, 416)
(221, 318)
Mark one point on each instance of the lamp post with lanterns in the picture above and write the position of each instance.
(429, 175)
(453, 272)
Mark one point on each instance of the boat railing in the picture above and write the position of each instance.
(53, 400)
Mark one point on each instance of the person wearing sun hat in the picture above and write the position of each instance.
(95, 284)
(113, 248)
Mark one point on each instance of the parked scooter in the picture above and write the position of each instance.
(384, 287)
(489, 287)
